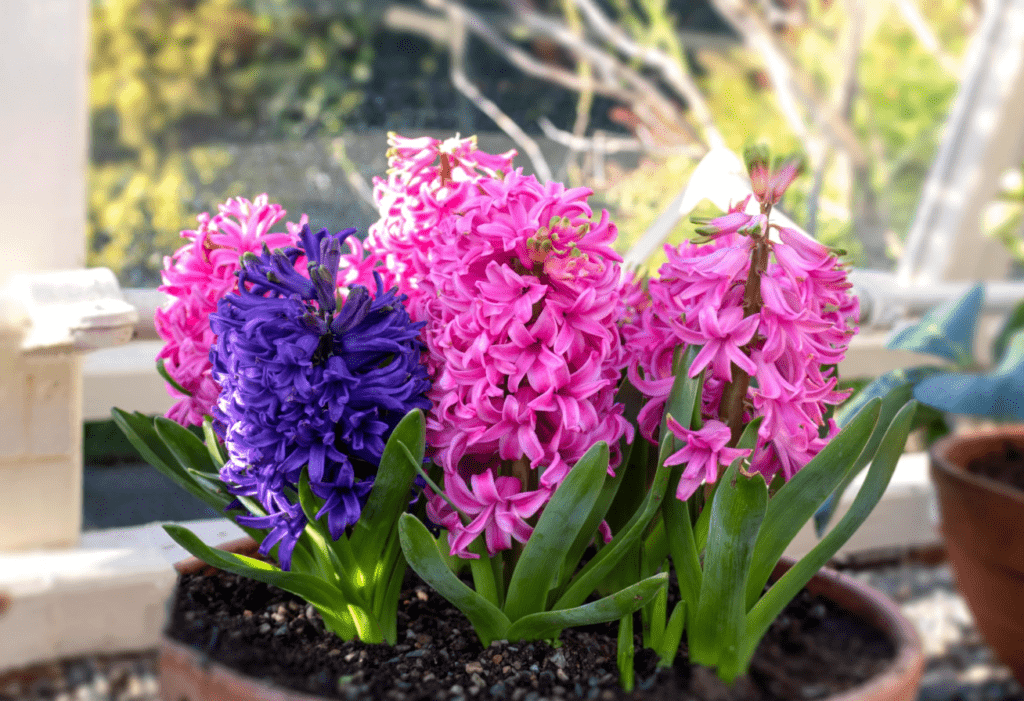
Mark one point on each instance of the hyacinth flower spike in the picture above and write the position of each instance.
(756, 324)
(317, 434)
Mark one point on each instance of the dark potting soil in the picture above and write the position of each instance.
(812, 650)
(1007, 467)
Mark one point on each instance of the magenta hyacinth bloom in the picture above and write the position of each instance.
(788, 346)
(428, 180)
(197, 276)
(520, 292)
(703, 453)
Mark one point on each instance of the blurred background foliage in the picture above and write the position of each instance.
(184, 92)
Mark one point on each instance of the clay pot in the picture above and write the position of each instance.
(186, 674)
(982, 522)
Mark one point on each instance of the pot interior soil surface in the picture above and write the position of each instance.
(1006, 466)
(811, 651)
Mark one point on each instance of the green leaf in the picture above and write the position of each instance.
(894, 396)
(628, 538)
(140, 432)
(996, 395)
(625, 653)
(160, 368)
(789, 585)
(683, 398)
(323, 596)
(946, 331)
(425, 558)
(747, 441)
(558, 527)
(587, 533)
(673, 636)
(736, 515)
(682, 546)
(547, 624)
(795, 503)
(212, 444)
(656, 616)
(391, 490)
(186, 447)
(1011, 325)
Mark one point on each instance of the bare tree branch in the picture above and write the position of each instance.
(612, 144)
(467, 88)
(925, 36)
(791, 87)
(674, 73)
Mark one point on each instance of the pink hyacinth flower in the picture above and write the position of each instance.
(498, 508)
(703, 453)
(196, 277)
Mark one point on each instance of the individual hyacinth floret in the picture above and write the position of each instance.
(520, 301)
(771, 317)
(307, 382)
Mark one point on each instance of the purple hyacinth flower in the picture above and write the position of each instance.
(309, 384)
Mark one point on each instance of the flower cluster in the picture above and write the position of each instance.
(519, 291)
(771, 318)
(197, 276)
(428, 181)
(308, 384)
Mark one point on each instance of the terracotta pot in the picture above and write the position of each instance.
(186, 674)
(982, 522)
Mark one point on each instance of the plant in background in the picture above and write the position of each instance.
(957, 384)
(320, 404)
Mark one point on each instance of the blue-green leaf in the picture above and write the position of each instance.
(1011, 325)
(425, 558)
(946, 331)
(997, 395)
(897, 382)
(558, 527)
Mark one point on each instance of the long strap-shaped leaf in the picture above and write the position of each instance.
(595, 571)
(391, 490)
(139, 431)
(609, 489)
(789, 585)
(547, 624)
(736, 515)
(795, 503)
(556, 530)
(324, 597)
(186, 446)
(425, 558)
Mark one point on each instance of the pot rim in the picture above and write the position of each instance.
(941, 462)
(899, 680)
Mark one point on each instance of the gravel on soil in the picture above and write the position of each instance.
(959, 666)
